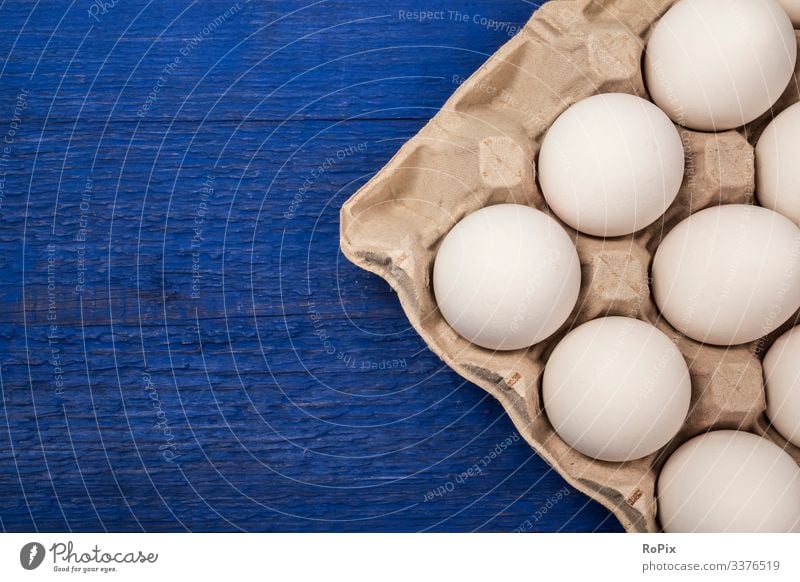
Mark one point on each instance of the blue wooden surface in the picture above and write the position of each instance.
(182, 345)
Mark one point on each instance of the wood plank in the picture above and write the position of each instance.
(289, 386)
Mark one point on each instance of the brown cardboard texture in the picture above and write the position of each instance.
(480, 150)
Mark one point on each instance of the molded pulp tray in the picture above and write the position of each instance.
(480, 150)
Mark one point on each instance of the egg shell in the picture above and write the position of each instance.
(611, 165)
(782, 379)
(715, 65)
(478, 150)
(729, 275)
(729, 481)
(777, 167)
(616, 389)
(506, 277)
(792, 8)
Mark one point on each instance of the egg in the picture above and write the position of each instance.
(729, 274)
(611, 165)
(777, 170)
(729, 481)
(616, 389)
(506, 277)
(782, 380)
(792, 8)
(715, 65)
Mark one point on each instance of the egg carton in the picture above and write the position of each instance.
(480, 150)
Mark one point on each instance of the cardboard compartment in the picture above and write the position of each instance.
(480, 150)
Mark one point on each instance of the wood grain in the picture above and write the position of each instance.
(182, 345)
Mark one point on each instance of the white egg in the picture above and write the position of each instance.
(792, 8)
(729, 481)
(616, 389)
(611, 165)
(777, 167)
(719, 64)
(782, 378)
(507, 277)
(729, 275)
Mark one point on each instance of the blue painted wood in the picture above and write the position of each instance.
(182, 345)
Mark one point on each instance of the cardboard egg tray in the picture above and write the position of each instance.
(480, 150)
